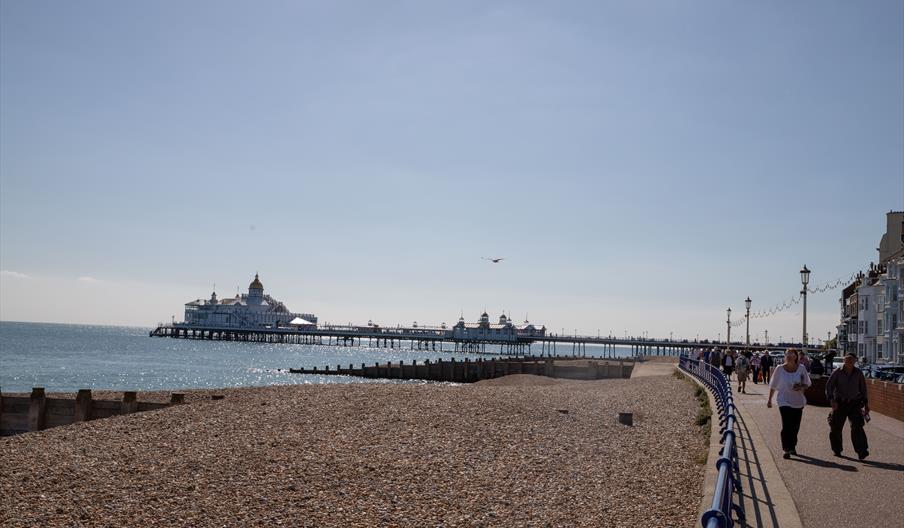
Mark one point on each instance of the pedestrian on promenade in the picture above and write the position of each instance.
(846, 391)
(741, 365)
(829, 361)
(728, 364)
(805, 360)
(755, 366)
(789, 380)
(715, 358)
(766, 366)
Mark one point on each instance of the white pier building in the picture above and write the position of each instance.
(505, 330)
(251, 310)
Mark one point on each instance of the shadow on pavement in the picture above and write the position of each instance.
(759, 510)
(806, 459)
(891, 466)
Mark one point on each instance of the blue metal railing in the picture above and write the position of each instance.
(727, 495)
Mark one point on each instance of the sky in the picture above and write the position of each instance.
(641, 166)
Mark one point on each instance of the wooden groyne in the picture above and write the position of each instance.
(468, 371)
(23, 414)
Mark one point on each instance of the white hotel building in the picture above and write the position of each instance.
(879, 328)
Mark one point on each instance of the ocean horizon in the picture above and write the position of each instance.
(65, 357)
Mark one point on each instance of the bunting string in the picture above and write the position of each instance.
(790, 303)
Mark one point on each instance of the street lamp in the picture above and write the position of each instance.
(804, 279)
(747, 304)
(728, 325)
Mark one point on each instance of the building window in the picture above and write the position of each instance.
(861, 349)
(879, 351)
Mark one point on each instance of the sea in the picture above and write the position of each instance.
(67, 357)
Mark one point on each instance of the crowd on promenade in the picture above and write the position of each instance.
(845, 390)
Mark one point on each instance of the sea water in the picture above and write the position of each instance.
(63, 357)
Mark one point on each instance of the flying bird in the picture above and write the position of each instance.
(494, 260)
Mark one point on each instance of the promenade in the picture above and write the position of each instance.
(823, 489)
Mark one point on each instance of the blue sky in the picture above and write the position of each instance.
(641, 165)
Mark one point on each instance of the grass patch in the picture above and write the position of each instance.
(704, 417)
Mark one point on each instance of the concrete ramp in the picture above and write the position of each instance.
(657, 366)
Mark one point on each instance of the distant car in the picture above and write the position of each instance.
(886, 372)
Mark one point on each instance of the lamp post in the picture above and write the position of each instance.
(747, 304)
(728, 325)
(804, 279)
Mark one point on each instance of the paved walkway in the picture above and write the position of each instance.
(826, 491)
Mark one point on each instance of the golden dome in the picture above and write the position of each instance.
(256, 283)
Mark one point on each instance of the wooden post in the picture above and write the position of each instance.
(129, 402)
(177, 398)
(82, 406)
(37, 408)
(626, 418)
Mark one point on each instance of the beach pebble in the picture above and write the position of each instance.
(488, 454)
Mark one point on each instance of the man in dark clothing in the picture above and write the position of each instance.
(766, 367)
(846, 390)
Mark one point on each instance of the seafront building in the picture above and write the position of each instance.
(872, 306)
(850, 316)
(252, 310)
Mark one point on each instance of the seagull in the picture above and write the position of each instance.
(494, 260)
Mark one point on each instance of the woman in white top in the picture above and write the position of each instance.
(790, 380)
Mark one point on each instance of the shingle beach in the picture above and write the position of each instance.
(515, 451)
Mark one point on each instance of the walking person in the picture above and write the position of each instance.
(741, 365)
(846, 391)
(766, 366)
(789, 380)
(805, 360)
(755, 367)
(715, 358)
(728, 364)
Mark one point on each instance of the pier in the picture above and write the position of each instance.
(415, 338)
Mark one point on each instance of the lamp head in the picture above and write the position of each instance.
(747, 303)
(804, 275)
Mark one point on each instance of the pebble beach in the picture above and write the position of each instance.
(514, 451)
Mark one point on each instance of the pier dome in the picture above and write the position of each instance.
(256, 283)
